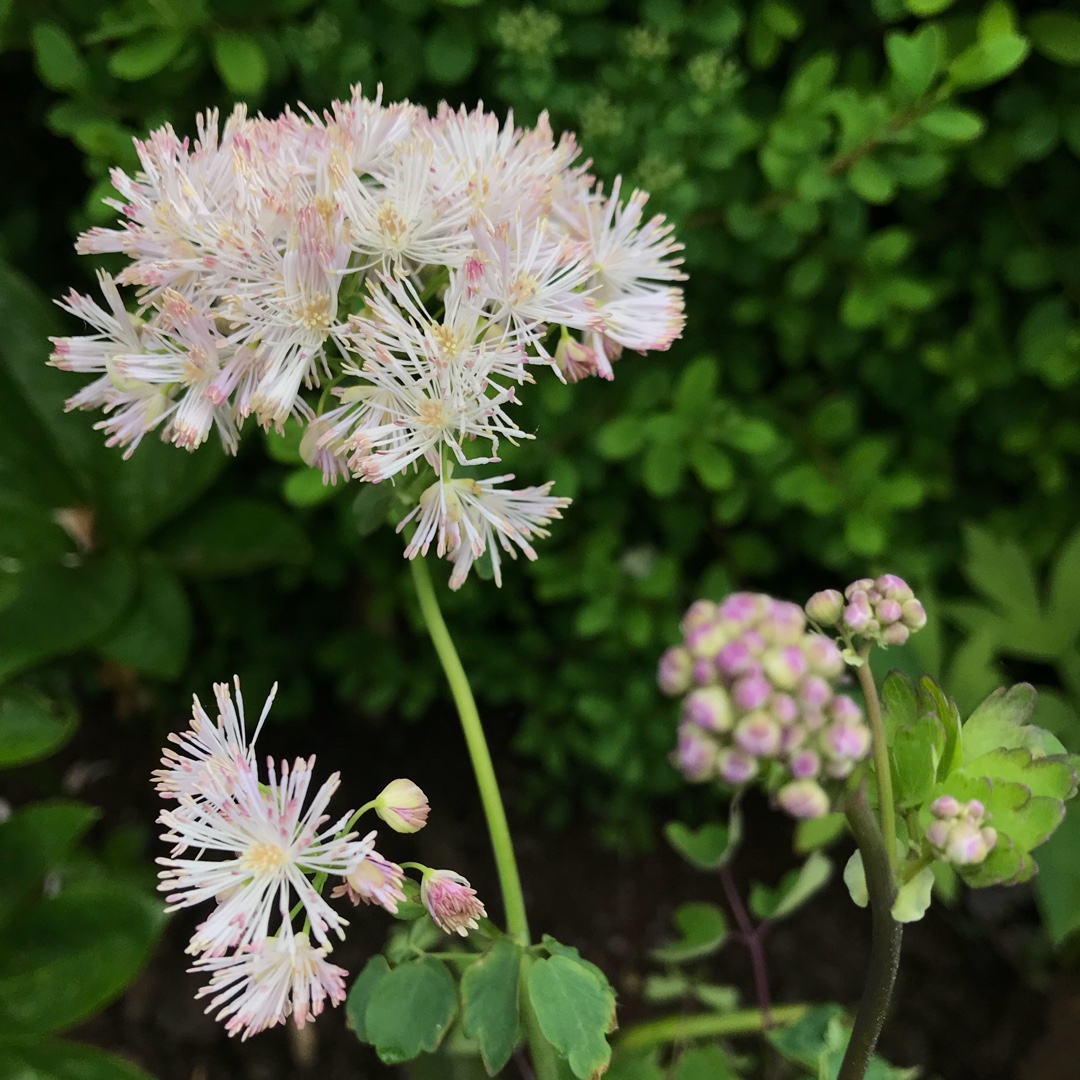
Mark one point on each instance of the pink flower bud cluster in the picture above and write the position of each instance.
(959, 832)
(883, 609)
(760, 693)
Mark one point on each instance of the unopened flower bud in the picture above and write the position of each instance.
(704, 671)
(784, 623)
(845, 710)
(863, 585)
(706, 640)
(375, 881)
(695, 754)
(896, 634)
(858, 615)
(945, 806)
(735, 659)
(847, 741)
(804, 764)
(937, 832)
(452, 904)
(825, 607)
(403, 806)
(697, 614)
(823, 656)
(815, 692)
(975, 811)
(758, 734)
(913, 615)
(736, 767)
(708, 707)
(966, 844)
(791, 738)
(751, 692)
(743, 607)
(784, 708)
(803, 799)
(888, 611)
(575, 359)
(892, 587)
(675, 673)
(784, 666)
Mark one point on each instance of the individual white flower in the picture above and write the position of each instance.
(467, 517)
(257, 989)
(271, 845)
(208, 751)
(364, 132)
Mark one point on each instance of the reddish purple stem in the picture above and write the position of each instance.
(752, 937)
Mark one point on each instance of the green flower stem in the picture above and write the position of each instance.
(882, 769)
(517, 923)
(884, 942)
(680, 1028)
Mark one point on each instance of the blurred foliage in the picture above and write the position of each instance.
(882, 360)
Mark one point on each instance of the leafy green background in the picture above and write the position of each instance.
(881, 368)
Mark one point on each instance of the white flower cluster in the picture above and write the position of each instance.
(262, 856)
(422, 263)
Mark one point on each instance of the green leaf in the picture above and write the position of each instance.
(714, 468)
(60, 609)
(947, 752)
(1000, 722)
(871, 181)
(575, 1012)
(988, 60)
(663, 468)
(1028, 820)
(306, 487)
(240, 62)
(59, 63)
(1054, 777)
(1064, 589)
(34, 841)
(620, 438)
(795, 888)
(146, 54)
(1007, 864)
(1056, 34)
(489, 1003)
(235, 537)
(914, 896)
(927, 8)
(696, 389)
(1057, 886)
(371, 507)
(954, 123)
(710, 846)
(362, 991)
(71, 954)
(900, 703)
(32, 726)
(155, 634)
(411, 1011)
(34, 1058)
(710, 1062)
(450, 53)
(815, 833)
(703, 929)
(915, 59)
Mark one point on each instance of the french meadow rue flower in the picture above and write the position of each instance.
(417, 261)
(375, 880)
(403, 806)
(452, 904)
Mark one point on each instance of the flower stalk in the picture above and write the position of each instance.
(680, 1028)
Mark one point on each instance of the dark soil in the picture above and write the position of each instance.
(965, 1008)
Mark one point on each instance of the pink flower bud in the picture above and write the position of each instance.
(863, 585)
(783, 624)
(888, 611)
(937, 832)
(896, 634)
(574, 358)
(403, 806)
(893, 588)
(989, 836)
(784, 709)
(803, 799)
(707, 639)
(704, 672)
(823, 656)
(791, 738)
(451, 903)
(945, 806)
(914, 615)
(736, 767)
(804, 765)
(708, 708)
(825, 607)
(735, 659)
(375, 881)
(784, 666)
(675, 673)
(975, 811)
(695, 754)
(751, 692)
(857, 615)
(754, 642)
(697, 614)
(758, 734)
(966, 845)
(838, 768)
(743, 607)
(845, 710)
(847, 741)
(815, 692)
